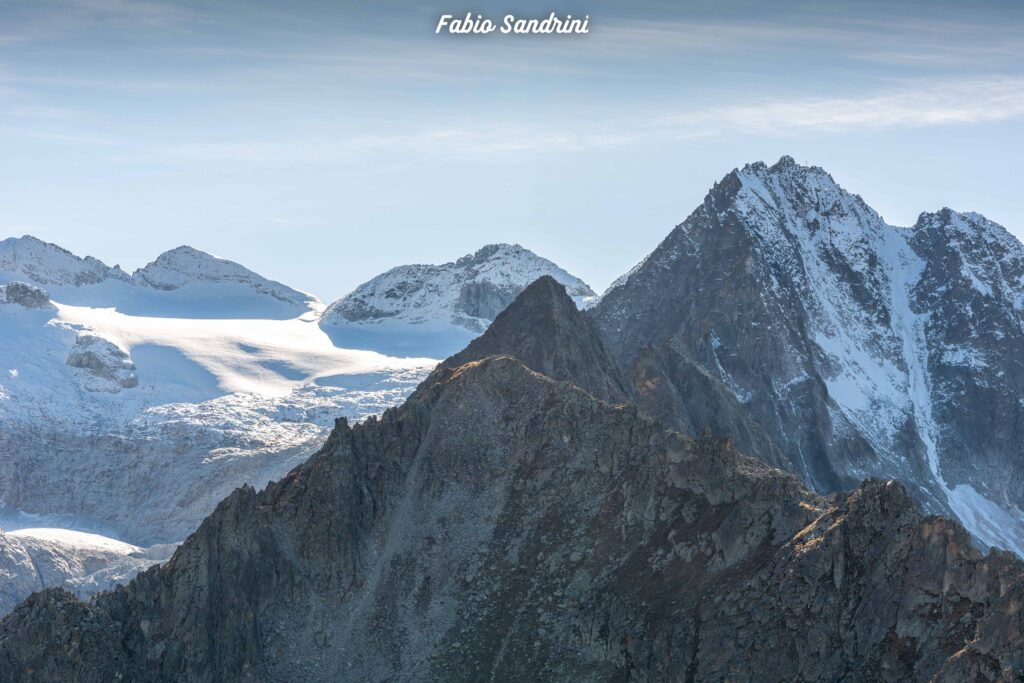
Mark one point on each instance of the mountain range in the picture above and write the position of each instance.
(684, 478)
(507, 524)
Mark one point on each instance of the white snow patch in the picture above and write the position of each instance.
(264, 357)
(991, 523)
(964, 356)
(70, 537)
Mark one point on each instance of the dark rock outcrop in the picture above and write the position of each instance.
(546, 331)
(108, 364)
(24, 295)
(502, 525)
(677, 391)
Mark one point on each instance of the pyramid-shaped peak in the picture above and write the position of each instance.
(546, 292)
(544, 329)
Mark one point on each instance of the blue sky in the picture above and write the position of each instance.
(320, 143)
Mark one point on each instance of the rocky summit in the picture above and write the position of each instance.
(506, 525)
(547, 333)
(787, 312)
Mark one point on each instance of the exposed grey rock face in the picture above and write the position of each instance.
(105, 362)
(858, 348)
(484, 299)
(25, 295)
(502, 525)
(677, 391)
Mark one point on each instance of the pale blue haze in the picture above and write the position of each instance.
(320, 143)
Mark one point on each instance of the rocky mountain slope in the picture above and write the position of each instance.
(856, 347)
(435, 310)
(503, 525)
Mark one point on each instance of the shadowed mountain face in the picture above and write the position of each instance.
(502, 525)
(855, 348)
(548, 334)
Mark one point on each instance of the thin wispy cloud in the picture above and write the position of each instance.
(955, 102)
(909, 106)
(265, 115)
(60, 137)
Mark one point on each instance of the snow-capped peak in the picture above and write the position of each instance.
(987, 257)
(187, 265)
(179, 266)
(183, 282)
(968, 224)
(913, 333)
(42, 263)
(468, 292)
(433, 310)
(808, 191)
(183, 265)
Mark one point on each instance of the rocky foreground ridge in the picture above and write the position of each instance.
(507, 525)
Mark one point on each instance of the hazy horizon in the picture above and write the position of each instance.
(323, 144)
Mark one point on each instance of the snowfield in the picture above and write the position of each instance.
(131, 405)
(269, 358)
